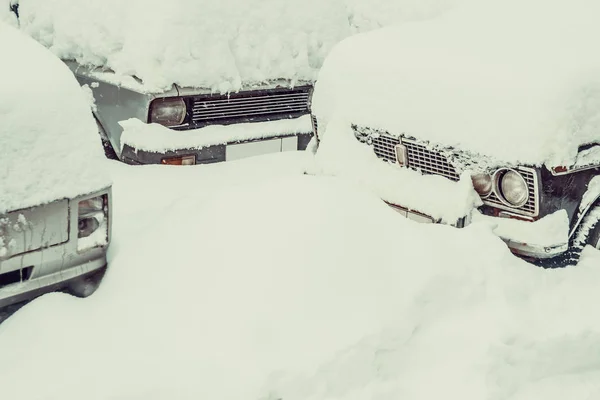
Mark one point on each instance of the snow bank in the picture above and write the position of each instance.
(221, 45)
(6, 15)
(50, 146)
(340, 154)
(257, 270)
(157, 138)
(550, 231)
(479, 79)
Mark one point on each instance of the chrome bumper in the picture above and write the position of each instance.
(220, 153)
(518, 247)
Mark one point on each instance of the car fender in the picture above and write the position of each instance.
(589, 198)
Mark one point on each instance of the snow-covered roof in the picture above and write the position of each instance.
(517, 80)
(49, 145)
(222, 45)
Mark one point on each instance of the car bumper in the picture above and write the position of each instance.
(32, 273)
(527, 239)
(218, 153)
(51, 272)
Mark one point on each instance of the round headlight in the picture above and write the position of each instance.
(482, 183)
(168, 111)
(514, 188)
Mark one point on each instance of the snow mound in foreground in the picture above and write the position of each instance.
(307, 278)
(220, 45)
(517, 81)
(50, 147)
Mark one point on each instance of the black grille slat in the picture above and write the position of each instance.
(431, 162)
(250, 105)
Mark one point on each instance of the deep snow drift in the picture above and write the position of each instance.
(517, 81)
(259, 282)
(222, 45)
(49, 145)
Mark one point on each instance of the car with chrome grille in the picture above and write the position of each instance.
(278, 113)
(215, 84)
(55, 197)
(474, 128)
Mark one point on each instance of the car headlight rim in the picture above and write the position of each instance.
(483, 184)
(167, 111)
(517, 195)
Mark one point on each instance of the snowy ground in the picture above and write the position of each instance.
(250, 280)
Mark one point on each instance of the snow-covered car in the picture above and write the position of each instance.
(475, 122)
(55, 200)
(192, 82)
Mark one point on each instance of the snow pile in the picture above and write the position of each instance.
(157, 138)
(479, 79)
(256, 271)
(200, 43)
(50, 146)
(366, 15)
(550, 231)
(223, 45)
(340, 154)
(497, 331)
(6, 15)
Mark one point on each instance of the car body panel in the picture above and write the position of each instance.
(36, 227)
(53, 266)
(117, 101)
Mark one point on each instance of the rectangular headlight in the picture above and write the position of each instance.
(168, 111)
(92, 222)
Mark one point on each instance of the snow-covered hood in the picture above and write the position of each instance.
(194, 43)
(517, 81)
(49, 145)
(221, 45)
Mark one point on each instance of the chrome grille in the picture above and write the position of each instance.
(431, 162)
(385, 147)
(420, 158)
(250, 105)
(428, 161)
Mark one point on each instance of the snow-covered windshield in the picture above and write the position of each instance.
(50, 146)
(222, 45)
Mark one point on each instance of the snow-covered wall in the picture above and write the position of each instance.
(221, 45)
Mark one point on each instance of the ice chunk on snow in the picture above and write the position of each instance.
(157, 138)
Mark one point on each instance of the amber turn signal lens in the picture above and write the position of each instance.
(185, 160)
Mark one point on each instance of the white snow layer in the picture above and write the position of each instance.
(517, 80)
(340, 154)
(221, 45)
(49, 143)
(258, 270)
(549, 231)
(157, 138)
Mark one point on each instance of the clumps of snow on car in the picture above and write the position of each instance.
(223, 45)
(202, 43)
(50, 145)
(549, 231)
(342, 155)
(157, 138)
(466, 80)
